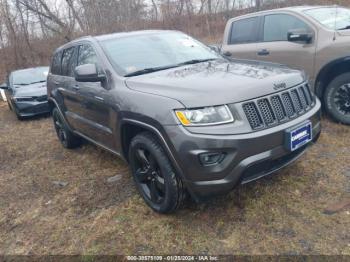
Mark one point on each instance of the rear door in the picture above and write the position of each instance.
(275, 47)
(69, 89)
(96, 115)
(242, 38)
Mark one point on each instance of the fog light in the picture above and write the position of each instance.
(210, 159)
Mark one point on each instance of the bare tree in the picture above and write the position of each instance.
(31, 29)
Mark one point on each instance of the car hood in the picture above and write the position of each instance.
(37, 89)
(217, 82)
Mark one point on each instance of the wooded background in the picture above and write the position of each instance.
(31, 29)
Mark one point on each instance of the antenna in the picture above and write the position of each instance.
(335, 22)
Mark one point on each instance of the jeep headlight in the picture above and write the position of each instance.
(212, 115)
(23, 99)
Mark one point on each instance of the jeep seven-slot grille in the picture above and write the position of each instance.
(271, 110)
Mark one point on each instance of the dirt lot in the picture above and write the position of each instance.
(282, 214)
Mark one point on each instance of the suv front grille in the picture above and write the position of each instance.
(271, 110)
(41, 98)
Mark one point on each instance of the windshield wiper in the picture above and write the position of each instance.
(27, 84)
(196, 61)
(149, 70)
(21, 84)
(345, 28)
(155, 69)
(41, 81)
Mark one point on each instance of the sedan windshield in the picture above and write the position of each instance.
(142, 54)
(335, 18)
(29, 76)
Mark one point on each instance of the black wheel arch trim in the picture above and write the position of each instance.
(61, 113)
(165, 145)
(322, 74)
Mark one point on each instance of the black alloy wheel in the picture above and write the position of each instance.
(337, 98)
(67, 138)
(342, 99)
(149, 176)
(60, 130)
(156, 179)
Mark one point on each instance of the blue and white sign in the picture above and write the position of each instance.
(299, 136)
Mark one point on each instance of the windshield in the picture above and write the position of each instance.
(29, 76)
(160, 50)
(335, 18)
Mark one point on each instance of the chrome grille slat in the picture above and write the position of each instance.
(271, 110)
(253, 115)
(303, 98)
(288, 104)
(278, 107)
(308, 94)
(266, 111)
(296, 101)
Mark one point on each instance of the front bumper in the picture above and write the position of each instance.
(32, 108)
(248, 156)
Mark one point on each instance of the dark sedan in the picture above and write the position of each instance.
(26, 93)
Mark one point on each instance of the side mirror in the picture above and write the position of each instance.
(88, 73)
(3, 86)
(299, 35)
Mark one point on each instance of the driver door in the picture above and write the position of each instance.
(275, 47)
(97, 114)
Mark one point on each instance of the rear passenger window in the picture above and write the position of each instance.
(244, 31)
(276, 27)
(86, 55)
(56, 64)
(68, 62)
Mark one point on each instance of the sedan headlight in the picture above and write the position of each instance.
(23, 99)
(212, 115)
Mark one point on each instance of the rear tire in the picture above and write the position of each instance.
(67, 138)
(155, 178)
(337, 98)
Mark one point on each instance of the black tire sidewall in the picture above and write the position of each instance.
(172, 188)
(329, 98)
(56, 114)
(72, 141)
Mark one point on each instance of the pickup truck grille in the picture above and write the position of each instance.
(271, 110)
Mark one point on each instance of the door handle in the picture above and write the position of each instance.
(56, 82)
(263, 52)
(227, 53)
(76, 87)
(99, 98)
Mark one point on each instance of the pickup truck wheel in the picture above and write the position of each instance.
(155, 178)
(66, 137)
(337, 98)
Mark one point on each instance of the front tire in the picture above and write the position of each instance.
(337, 98)
(67, 138)
(155, 178)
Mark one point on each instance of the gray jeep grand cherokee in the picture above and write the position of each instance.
(185, 118)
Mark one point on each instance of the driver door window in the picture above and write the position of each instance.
(275, 46)
(276, 27)
(68, 62)
(87, 55)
